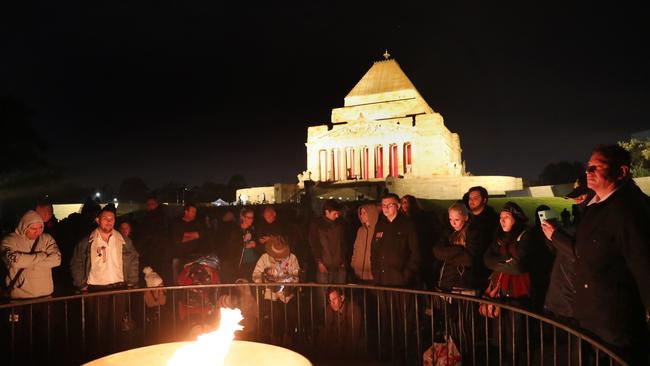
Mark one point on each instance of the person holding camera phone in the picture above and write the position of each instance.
(612, 256)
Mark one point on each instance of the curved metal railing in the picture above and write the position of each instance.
(377, 325)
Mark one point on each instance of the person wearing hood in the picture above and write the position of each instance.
(360, 263)
(30, 254)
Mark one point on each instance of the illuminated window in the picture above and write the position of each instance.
(349, 162)
(332, 166)
(322, 165)
(407, 158)
(379, 161)
(364, 162)
(393, 161)
(338, 165)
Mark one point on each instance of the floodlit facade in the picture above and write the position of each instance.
(385, 129)
(384, 136)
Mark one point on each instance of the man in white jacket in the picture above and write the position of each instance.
(34, 263)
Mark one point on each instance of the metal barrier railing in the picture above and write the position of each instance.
(375, 325)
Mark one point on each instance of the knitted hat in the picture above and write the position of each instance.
(152, 278)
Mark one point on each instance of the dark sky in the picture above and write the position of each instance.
(193, 91)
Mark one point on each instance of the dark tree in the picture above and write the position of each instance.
(21, 148)
(235, 182)
(210, 191)
(561, 172)
(640, 153)
(133, 189)
(170, 192)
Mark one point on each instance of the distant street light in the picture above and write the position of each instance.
(97, 194)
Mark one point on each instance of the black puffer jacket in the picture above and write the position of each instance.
(460, 262)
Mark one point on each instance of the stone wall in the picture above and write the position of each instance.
(452, 187)
(277, 193)
(256, 195)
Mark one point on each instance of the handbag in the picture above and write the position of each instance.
(155, 297)
(6, 291)
(492, 292)
(443, 354)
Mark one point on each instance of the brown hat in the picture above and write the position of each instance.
(276, 247)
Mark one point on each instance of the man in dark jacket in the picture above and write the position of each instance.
(241, 249)
(395, 257)
(612, 251)
(152, 239)
(483, 223)
(272, 225)
(189, 239)
(395, 252)
(326, 238)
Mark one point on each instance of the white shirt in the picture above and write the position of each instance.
(598, 199)
(106, 259)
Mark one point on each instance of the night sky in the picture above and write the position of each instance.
(194, 91)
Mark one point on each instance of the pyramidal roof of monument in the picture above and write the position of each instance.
(384, 76)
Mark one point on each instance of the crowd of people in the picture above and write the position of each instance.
(592, 272)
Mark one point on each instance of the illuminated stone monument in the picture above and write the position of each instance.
(387, 134)
(385, 129)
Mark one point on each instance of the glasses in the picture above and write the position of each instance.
(250, 217)
(389, 205)
(594, 168)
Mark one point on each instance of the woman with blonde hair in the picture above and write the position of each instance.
(459, 254)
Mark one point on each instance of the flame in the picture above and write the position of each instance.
(211, 348)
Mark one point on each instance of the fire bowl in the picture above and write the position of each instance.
(240, 353)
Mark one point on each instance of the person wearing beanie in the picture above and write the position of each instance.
(507, 257)
(156, 296)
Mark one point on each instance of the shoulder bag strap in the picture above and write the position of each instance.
(520, 235)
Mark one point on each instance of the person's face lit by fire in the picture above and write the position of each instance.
(363, 217)
(246, 220)
(476, 202)
(45, 212)
(106, 221)
(601, 177)
(389, 207)
(125, 229)
(269, 214)
(151, 204)
(405, 206)
(189, 214)
(336, 300)
(457, 219)
(507, 221)
(34, 231)
(332, 215)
